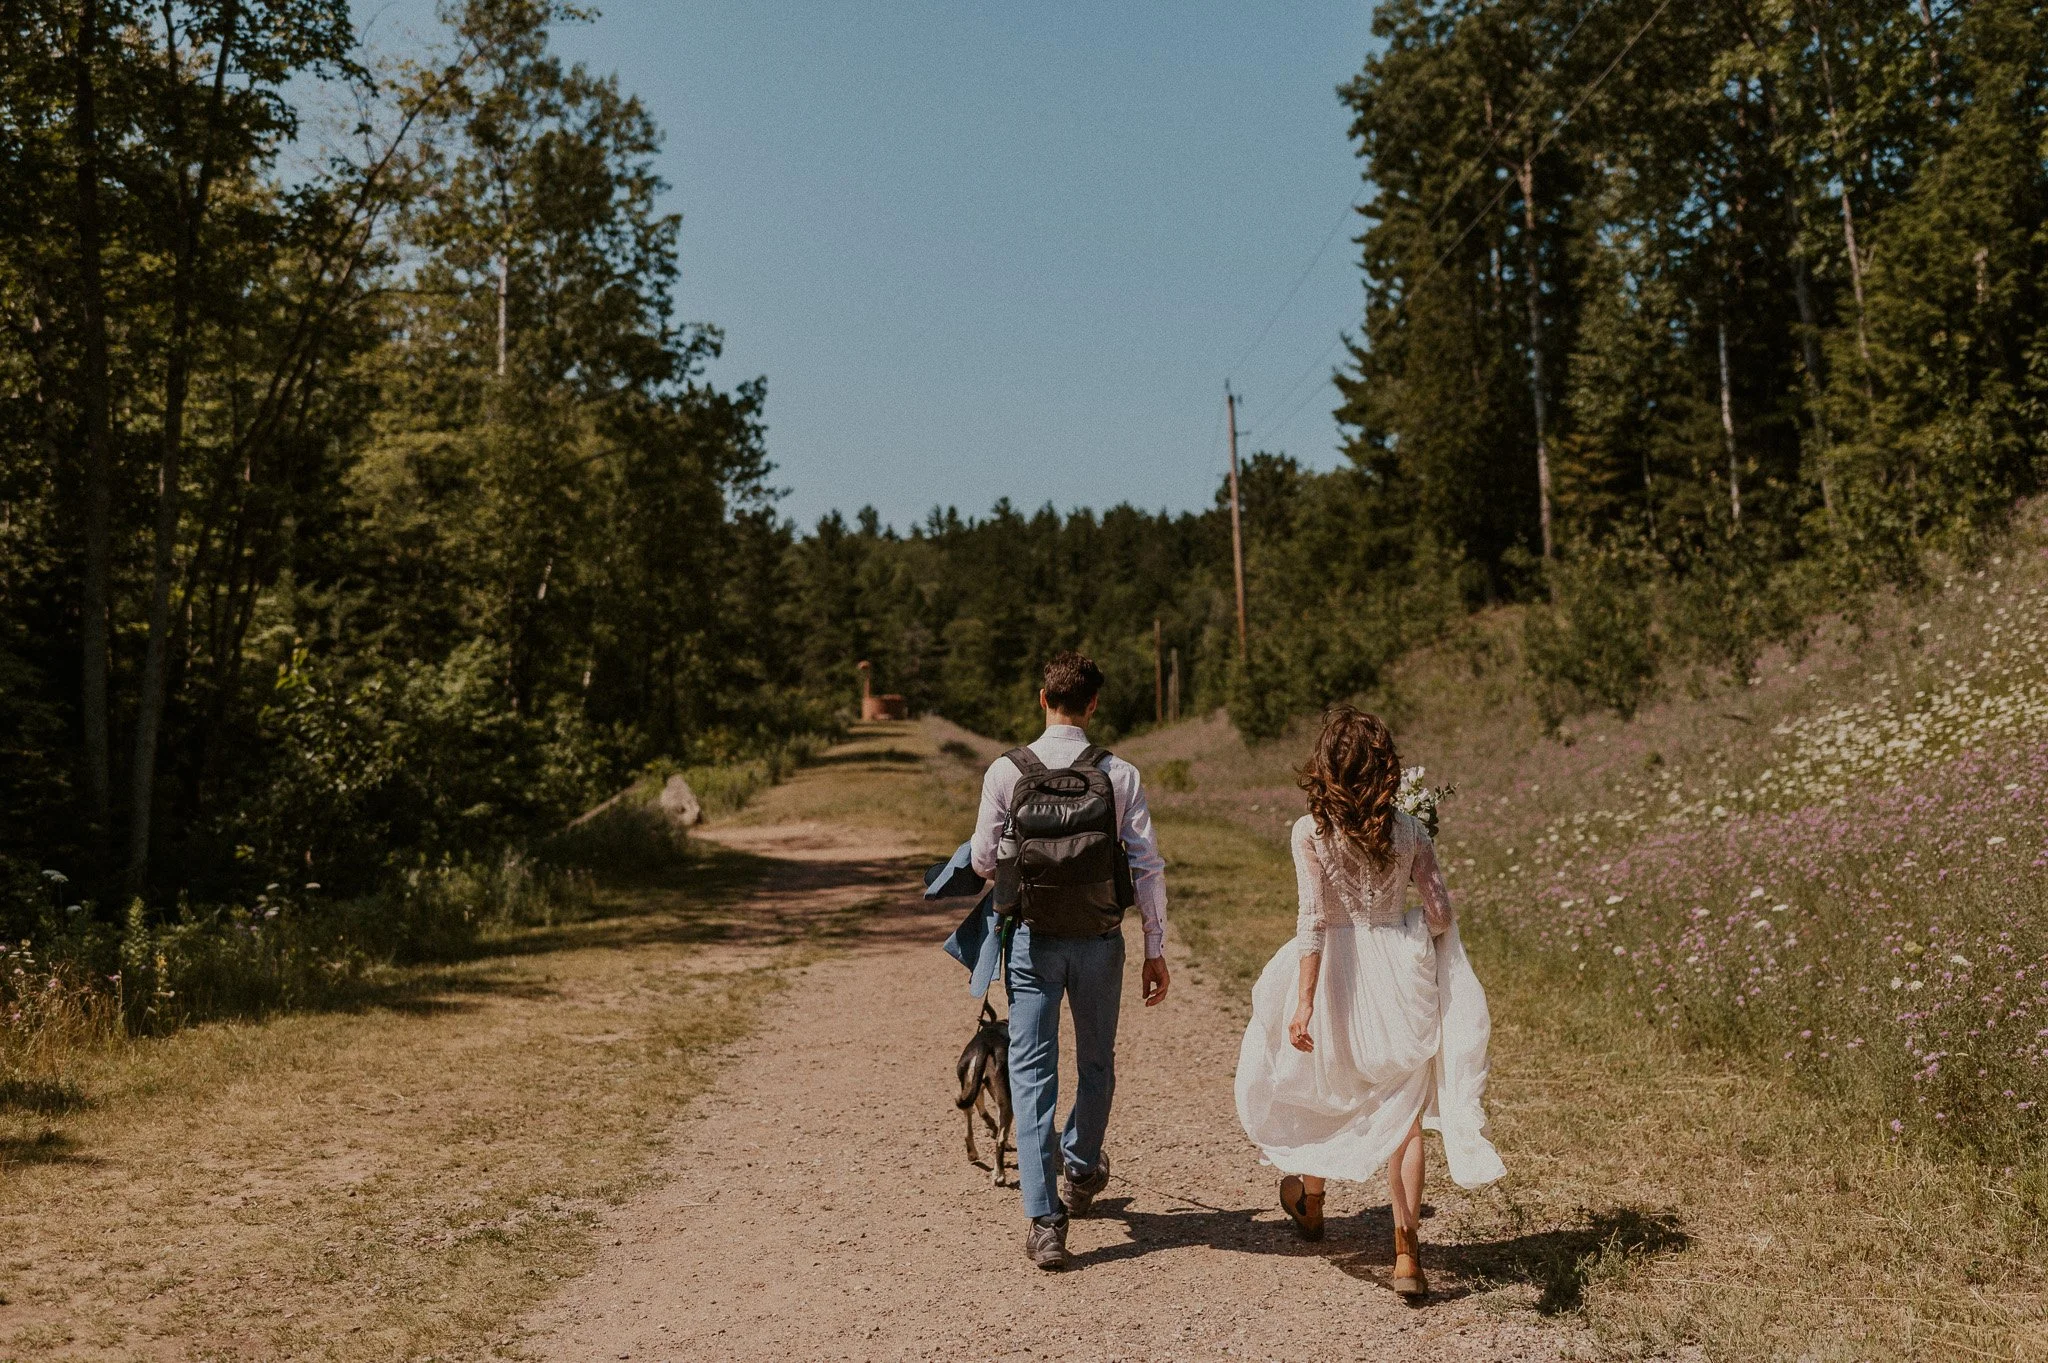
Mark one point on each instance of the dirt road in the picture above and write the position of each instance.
(819, 1203)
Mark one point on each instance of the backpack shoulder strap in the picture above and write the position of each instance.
(1025, 761)
(1092, 756)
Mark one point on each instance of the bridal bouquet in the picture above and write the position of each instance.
(1420, 800)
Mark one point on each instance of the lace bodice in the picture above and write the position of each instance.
(1339, 885)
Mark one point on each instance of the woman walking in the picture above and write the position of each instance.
(1369, 1025)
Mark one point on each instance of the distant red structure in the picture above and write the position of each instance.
(873, 706)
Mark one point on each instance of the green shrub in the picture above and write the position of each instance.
(292, 948)
(1597, 641)
(446, 908)
(727, 789)
(628, 836)
(1176, 775)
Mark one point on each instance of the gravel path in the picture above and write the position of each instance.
(820, 1205)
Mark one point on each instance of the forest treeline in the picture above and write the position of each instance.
(1681, 323)
(364, 502)
(364, 505)
(1692, 318)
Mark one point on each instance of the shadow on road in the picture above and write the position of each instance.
(1559, 1262)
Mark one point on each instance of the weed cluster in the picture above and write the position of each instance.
(727, 787)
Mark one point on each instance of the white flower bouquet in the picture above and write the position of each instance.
(1419, 800)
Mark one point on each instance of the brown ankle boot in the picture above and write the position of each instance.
(1303, 1207)
(1407, 1277)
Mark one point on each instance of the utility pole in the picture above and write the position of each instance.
(1173, 689)
(1158, 672)
(1236, 525)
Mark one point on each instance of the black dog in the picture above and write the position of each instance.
(985, 1085)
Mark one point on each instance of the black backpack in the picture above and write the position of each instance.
(1061, 866)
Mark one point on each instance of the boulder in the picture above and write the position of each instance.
(679, 803)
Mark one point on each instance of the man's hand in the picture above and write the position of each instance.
(1156, 979)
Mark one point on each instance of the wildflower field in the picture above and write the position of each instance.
(1839, 868)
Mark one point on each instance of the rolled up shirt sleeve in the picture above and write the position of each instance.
(1148, 867)
(998, 784)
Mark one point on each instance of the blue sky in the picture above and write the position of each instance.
(1013, 250)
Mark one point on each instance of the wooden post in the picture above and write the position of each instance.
(1173, 689)
(1158, 674)
(1236, 525)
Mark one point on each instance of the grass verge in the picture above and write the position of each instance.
(403, 1173)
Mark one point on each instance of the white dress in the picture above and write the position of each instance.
(1400, 1023)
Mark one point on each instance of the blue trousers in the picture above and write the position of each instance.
(1089, 973)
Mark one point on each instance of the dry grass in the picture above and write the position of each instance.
(404, 1179)
(920, 777)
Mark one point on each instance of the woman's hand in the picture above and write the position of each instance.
(1297, 1027)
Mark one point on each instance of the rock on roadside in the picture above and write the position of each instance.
(678, 804)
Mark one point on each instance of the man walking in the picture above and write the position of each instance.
(1065, 832)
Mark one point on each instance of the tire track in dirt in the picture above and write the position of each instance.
(818, 1202)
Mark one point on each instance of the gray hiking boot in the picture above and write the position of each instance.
(1077, 1195)
(1046, 1244)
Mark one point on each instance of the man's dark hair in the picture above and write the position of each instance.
(1071, 681)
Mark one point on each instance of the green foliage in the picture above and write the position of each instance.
(1596, 640)
(1772, 291)
(421, 529)
(959, 615)
(1174, 775)
(627, 837)
(430, 572)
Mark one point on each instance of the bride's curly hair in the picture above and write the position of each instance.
(1351, 778)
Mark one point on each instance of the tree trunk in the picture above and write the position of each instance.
(504, 285)
(1809, 351)
(95, 398)
(149, 711)
(1532, 283)
(1802, 293)
(1827, 72)
(1933, 51)
(1728, 433)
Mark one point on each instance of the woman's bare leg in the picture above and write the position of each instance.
(1312, 1185)
(1404, 1179)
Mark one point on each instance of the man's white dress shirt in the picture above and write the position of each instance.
(1058, 746)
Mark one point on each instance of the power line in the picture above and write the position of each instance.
(1215, 437)
(1542, 146)
(1299, 280)
(1315, 364)
(1557, 53)
(1535, 89)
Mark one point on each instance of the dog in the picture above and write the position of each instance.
(984, 1072)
